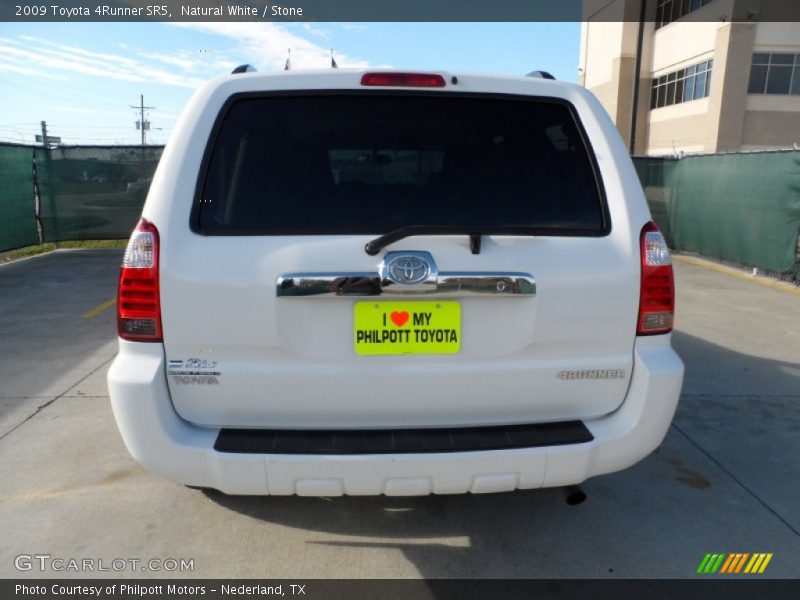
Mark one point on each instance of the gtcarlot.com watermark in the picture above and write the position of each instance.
(57, 564)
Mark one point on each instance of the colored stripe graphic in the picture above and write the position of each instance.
(758, 563)
(722, 563)
(703, 563)
(717, 563)
(711, 563)
(727, 565)
(739, 566)
(765, 563)
(755, 561)
(730, 565)
(737, 563)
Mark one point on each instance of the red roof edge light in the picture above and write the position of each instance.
(393, 79)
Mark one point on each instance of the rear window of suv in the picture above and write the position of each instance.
(369, 163)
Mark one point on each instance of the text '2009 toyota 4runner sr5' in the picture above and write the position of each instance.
(359, 282)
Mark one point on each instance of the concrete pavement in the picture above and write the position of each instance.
(725, 479)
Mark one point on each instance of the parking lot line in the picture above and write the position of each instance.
(100, 308)
(707, 264)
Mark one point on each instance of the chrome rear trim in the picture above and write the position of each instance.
(452, 284)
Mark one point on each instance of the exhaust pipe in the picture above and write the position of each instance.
(574, 495)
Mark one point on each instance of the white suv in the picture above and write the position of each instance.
(360, 282)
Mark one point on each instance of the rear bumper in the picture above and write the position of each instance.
(164, 443)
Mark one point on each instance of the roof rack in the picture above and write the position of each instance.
(243, 69)
(540, 75)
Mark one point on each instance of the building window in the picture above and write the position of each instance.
(775, 73)
(683, 85)
(668, 11)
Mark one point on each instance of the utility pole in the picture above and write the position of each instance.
(144, 126)
(44, 135)
(141, 123)
(48, 141)
(37, 193)
(637, 75)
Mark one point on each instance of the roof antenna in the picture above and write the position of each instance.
(333, 61)
(288, 65)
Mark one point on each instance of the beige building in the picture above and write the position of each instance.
(715, 75)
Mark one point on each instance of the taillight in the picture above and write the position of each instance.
(392, 79)
(138, 301)
(657, 299)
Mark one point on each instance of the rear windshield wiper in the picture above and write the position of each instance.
(376, 245)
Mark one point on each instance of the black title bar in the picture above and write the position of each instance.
(744, 588)
(382, 10)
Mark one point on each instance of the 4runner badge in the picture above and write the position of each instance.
(593, 374)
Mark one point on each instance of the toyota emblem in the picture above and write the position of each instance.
(407, 270)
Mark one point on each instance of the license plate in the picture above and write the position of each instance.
(412, 327)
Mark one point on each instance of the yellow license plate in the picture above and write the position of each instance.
(412, 327)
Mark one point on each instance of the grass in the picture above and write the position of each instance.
(27, 251)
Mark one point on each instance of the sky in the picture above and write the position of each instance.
(83, 78)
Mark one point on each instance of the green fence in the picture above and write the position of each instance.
(654, 173)
(743, 207)
(93, 192)
(17, 204)
(84, 192)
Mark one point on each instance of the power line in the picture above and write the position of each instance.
(105, 127)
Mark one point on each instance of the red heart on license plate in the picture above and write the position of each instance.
(399, 318)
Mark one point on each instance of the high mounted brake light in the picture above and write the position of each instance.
(657, 298)
(392, 79)
(138, 298)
